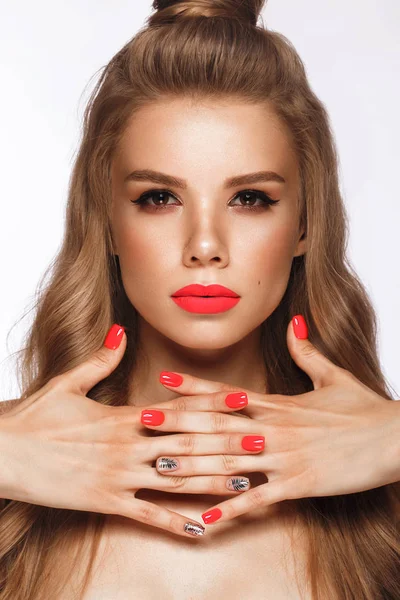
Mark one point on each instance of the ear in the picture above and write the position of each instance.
(301, 247)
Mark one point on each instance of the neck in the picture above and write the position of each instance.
(240, 365)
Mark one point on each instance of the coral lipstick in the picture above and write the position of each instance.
(210, 299)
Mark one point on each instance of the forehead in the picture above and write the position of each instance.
(181, 131)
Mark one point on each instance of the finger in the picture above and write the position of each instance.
(203, 444)
(219, 485)
(244, 404)
(195, 421)
(215, 401)
(318, 367)
(100, 365)
(213, 464)
(263, 495)
(151, 514)
(189, 385)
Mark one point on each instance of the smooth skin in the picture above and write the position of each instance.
(99, 455)
(206, 234)
(209, 235)
(341, 438)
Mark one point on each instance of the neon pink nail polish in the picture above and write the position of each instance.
(300, 327)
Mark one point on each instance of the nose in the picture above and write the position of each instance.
(206, 245)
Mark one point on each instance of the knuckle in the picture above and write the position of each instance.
(226, 387)
(218, 422)
(214, 485)
(230, 443)
(229, 463)
(309, 351)
(148, 513)
(100, 361)
(180, 404)
(216, 400)
(256, 497)
(176, 482)
(187, 442)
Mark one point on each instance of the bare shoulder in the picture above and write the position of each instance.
(7, 405)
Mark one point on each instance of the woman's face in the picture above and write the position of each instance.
(205, 232)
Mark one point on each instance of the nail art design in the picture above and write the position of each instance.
(194, 529)
(167, 464)
(237, 484)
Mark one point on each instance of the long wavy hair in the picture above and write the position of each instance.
(205, 49)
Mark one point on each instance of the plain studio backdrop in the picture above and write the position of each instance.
(51, 56)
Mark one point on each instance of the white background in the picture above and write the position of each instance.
(50, 54)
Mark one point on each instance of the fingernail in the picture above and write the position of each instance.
(167, 464)
(253, 442)
(211, 516)
(238, 484)
(152, 417)
(114, 337)
(300, 327)
(236, 400)
(171, 379)
(194, 529)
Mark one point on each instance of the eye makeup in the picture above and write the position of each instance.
(142, 201)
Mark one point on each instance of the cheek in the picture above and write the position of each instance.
(142, 254)
(271, 259)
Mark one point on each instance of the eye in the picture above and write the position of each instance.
(249, 197)
(159, 194)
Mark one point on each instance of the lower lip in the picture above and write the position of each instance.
(197, 304)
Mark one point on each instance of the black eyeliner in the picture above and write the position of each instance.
(267, 200)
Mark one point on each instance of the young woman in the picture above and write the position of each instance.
(206, 161)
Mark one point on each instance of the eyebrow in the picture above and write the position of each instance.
(169, 180)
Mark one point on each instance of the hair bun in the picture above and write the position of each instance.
(169, 11)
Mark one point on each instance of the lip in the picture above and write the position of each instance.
(212, 305)
(197, 289)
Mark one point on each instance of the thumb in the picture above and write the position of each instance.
(100, 365)
(317, 366)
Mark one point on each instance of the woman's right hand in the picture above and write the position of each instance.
(65, 450)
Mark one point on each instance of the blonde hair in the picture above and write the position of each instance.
(206, 49)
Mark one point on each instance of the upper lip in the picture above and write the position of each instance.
(196, 289)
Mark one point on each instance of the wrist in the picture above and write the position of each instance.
(8, 472)
(393, 444)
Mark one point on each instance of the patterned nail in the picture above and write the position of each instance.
(167, 464)
(238, 484)
(194, 529)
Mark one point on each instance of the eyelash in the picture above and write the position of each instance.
(266, 200)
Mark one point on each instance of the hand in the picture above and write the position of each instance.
(63, 450)
(337, 439)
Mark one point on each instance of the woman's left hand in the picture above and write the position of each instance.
(340, 438)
